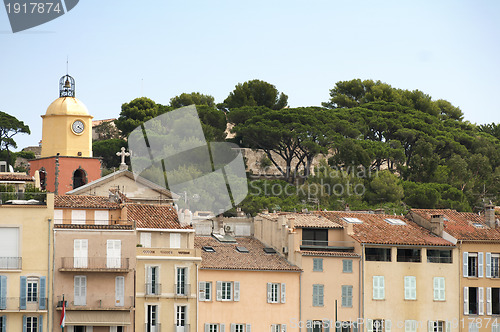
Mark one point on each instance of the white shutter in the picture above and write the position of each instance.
(488, 301)
(442, 289)
(207, 327)
(407, 287)
(448, 326)
(219, 290)
(101, 217)
(145, 240)
(114, 250)
(175, 240)
(119, 291)
(466, 264)
(488, 264)
(80, 289)
(430, 326)
(388, 326)
(78, 217)
(481, 300)
(248, 328)
(233, 327)
(376, 294)
(369, 325)
(222, 327)
(89, 329)
(436, 289)
(58, 216)
(236, 291)
(80, 253)
(201, 291)
(112, 329)
(269, 292)
(283, 293)
(149, 281)
(480, 258)
(283, 327)
(466, 300)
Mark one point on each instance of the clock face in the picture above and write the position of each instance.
(78, 127)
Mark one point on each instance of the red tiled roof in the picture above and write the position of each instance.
(376, 230)
(460, 224)
(302, 220)
(154, 216)
(84, 201)
(15, 177)
(226, 257)
(329, 253)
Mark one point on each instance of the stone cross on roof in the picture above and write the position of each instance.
(123, 154)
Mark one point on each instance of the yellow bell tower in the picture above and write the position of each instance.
(67, 124)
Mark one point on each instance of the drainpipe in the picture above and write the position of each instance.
(362, 282)
(48, 290)
(56, 183)
(460, 275)
(197, 294)
(53, 263)
(300, 299)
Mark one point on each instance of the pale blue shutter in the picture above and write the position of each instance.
(4, 323)
(355, 327)
(22, 299)
(42, 293)
(249, 328)
(321, 295)
(326, 325)
(24, 324)
(3, 293)
(40, 323)
(309, 326)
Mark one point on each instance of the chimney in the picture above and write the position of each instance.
(437, 224)
(291, 223)
(489, 216)
(379, 211)
(265, 211)
(350, 229)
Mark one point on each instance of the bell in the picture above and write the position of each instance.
(66, 84)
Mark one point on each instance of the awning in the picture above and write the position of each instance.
(98, 318)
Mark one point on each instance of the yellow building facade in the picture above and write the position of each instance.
(26, 265)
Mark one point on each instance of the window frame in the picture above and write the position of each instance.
(227, 291)
(34, 282)
(348, 291)
(181, 284)
(317, 264)
(31, 324)
(347, 265)
(438, 290)
(378, 254)
(378, 289)
(410, 288)
(318, 295)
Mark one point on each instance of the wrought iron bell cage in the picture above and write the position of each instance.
(67, 86)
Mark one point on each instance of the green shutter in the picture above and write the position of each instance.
(40, 323)
(3, 293)
(25, 324)
(22, 299)
(42, 294)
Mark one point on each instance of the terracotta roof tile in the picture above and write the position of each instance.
(302, 220)
(84, 201)
(376, 230)
(226, 257)
(15, 177)
(460, 224)
(329, 253)
(154, 216)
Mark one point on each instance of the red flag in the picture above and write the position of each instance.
(63, 314)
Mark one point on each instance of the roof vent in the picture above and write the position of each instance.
(208, 249)
(241, 249)
(269, 250)
(478, 225)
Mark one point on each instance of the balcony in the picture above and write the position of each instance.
(152, 289)
(94, 264)
(182, 290)
(11, 263)
(143, 253)
(14, 304)
(152, 328)
(184, 328)
(22, 198)
(95, 302)
(327, 245)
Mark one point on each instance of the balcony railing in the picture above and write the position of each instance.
(332, 245)
(11, 263)
(181, 290)
(14, 304)
(96, 264)
(184, 328)
(142, 251)
(96, 302)
(152, 289)
(23, 198)
(152, 328)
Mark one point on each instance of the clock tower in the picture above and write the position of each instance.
(66, 160)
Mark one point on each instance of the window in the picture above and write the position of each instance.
(3, 292)
(347, 296)
(58, 216)
(181, 287)
(318, 291)
(378, 288)
(439, 256)
(119, 291)
(318, 264)
(439, 289)
(276, 292)
(3, 323)
(214, 327)
(495, 327)
(493, 301)
(80, 251)
(80, 290)
(205, 288)
(473, 264)
(436, 326)
(152, 319)
(410, 287)
(32, 289)
(9, 248)
(314, 237)
(101, 217)
(492, 265)
(152, 285)
(377, 325)
(347, 265)
(32, 292)
(473, 327)
(240, 328)
(145, 240)
(180, 316)
(228, 290)
(378, 254)
(473, 300)
(114, 252)
(175, 240)
(278, 328)
(31, 324)
(411, 326)
(78, 217)
(409, 255)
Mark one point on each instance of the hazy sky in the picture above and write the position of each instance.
(120, 50)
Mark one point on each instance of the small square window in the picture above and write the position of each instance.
(318, 264)
(347, 265)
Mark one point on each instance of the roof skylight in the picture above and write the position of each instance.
(208, 249)
(241, 249)
(352, 220)
(269, 250)
(394, 221)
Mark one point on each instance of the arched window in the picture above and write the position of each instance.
(43, 178)
(79, 178)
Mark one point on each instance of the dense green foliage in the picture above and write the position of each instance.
(193, 98)
(107, 149)
(255, 93)
(9, 127)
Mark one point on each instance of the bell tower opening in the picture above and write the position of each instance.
(79, 178)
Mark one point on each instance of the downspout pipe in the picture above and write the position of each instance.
(362, 282)
(50, 289)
